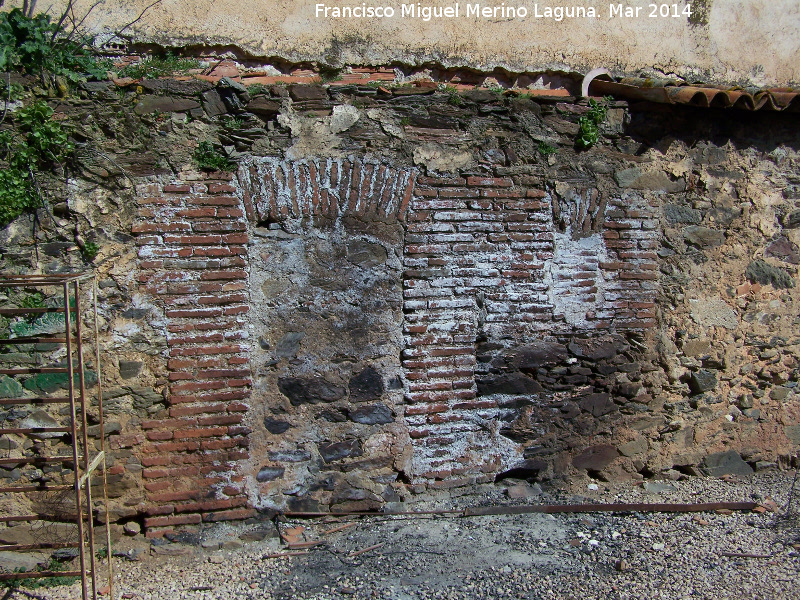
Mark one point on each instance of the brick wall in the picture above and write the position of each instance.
(191, 239)
(485, 259)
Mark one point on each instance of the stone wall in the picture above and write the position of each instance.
(405, 289)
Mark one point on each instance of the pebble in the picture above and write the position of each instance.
(606, 555)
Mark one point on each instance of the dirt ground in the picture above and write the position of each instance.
(713, 555)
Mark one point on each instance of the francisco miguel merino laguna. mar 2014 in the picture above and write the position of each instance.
(456, 10)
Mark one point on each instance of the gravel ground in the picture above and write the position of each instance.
(710, 555)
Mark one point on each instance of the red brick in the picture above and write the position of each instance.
(172, 520)
(182, 434)
(159, 435)
(177, 188)
(489, 182)
(229, 515)
(221, 188)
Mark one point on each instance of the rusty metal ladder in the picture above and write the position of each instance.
(85, 462)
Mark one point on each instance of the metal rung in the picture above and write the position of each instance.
(37, 459)
(34, 574)
(31, 311)
(37, 400)
(45, 546)
(37, 430)
(31, 370)
(33, 340)
(34, 518)
(37, 488)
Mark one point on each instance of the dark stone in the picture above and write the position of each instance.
(231, 100)
(725, 463)
(63, 554)
(597, 348)
(55, 248)
(340, 450)
(570, 410)
(191, 87)
(129, 368)
(677, 213)
(703, 381)
(628, 389)
(213, 104)
(479, 96)
(376, 414)
(276, 427)
(299, 92)
(784, 250)
(595, 458)
(135, 313)
(365, 254)
(264, 107)
(792, 192)
(333, 416)
(508, 384)
(760, 272)
(537, 355)
(703, 237)
(270, 473)
(183, 537)
(292, 456)
(527, 469)
(347, 493)
(164, 104)
(598, 404)
(289, 345)
(722, 215)
(303, 504)
(144, 397)
(792, 220)
(96, 86)
(367, 385)
(309, 390)
(229, 84)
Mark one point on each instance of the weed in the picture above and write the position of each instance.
(229, 122)
(546, 149)
(453, 97)
(589, 132)
(36, 45)
(43, 582)
(38, 142)
(257, 88)
(159, 66)
(328, 74)
(10, 91)
(208, 158)
(405, 121)
(90, 251)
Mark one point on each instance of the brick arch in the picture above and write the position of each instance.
(276, 190)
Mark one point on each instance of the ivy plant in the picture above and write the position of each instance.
(589, 124)
(36, 142)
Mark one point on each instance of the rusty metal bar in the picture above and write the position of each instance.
(101, 426)
(37, 517)
(42, 546)
(540, 508)
(36, 488)
(36, 574)
(29, 311)
(18, 341)
(35, 430)
(31, 370)
(34, 460)
(36, 400)
(74, 426)
(87, 470)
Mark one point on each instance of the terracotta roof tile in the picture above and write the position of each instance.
(698, 94)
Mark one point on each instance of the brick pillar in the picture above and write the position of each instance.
(474, 258)
(191, 240)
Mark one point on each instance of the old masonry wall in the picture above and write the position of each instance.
(404, 290)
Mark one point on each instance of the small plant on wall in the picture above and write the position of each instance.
(208, 158)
